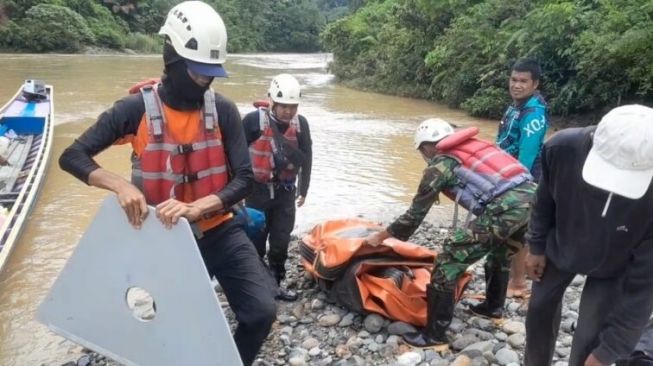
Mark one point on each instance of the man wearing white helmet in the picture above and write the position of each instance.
(593, 215)
(189, 160)
(280, 149)
(490, 184)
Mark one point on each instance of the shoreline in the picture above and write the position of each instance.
(315, 331)
(556, 122)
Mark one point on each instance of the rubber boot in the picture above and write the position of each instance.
(637, 358)
(439, 309)
(496, 286)
(284, 294)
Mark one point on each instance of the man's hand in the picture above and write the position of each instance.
(169, 212)
(535, 265)
(593, 361)
(377, 238)
(132, 200)
(300, 201)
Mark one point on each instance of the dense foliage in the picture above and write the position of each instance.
(70, 25)
(595, 54)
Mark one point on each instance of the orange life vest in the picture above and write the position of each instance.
(485, 171)
(262, 151)
(179, 154)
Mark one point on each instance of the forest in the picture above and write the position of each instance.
(595, 54)
(74, 25)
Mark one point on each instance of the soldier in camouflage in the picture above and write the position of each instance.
(462, 168)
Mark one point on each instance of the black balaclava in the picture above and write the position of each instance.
(179, 90)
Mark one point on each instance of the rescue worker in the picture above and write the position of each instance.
(490, 184)
(521, 134)
(280, 149)
(189, 160)
(593, 215)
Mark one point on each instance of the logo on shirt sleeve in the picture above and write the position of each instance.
(533, 127)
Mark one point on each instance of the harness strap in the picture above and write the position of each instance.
(210, 113)
(153, 114)
(262, 119)
(180, 178)
(455, 209)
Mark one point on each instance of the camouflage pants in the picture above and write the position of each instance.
(499, 236)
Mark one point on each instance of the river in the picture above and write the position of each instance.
(364, 164)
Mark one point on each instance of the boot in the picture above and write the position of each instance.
(637, 358)
(283, 294)
(496, 286)
(439, 309)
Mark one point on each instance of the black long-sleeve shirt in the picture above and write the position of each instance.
(252, 127)
(123, 119)
(567, 226)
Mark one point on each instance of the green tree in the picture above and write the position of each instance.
(66, 30)
(595, 54)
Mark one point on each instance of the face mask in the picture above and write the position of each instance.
(182, 85)
(177, 81)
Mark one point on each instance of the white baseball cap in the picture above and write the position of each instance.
(621, 158)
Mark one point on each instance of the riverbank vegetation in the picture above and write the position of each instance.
(595, 54)
(74, 25)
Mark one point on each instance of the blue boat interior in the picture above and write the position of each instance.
(25, 117)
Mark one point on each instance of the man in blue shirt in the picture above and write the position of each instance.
(521, 134)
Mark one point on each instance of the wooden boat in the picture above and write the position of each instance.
(24, 161)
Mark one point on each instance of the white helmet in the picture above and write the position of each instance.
(285, 89)
(432, 130)
(198, 34)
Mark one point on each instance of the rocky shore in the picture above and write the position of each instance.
(312, 331)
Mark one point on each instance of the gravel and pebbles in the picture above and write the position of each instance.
(313, 331)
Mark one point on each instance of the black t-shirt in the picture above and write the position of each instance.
(123, 120)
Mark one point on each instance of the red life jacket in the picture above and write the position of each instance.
(263, 149)
(186, 168)
(485, 171)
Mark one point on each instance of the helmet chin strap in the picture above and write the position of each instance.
(274, 116)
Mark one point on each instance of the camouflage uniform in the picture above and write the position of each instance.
(498, 232)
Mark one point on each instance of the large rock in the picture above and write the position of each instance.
(506, 356)
(480, 361)
(439, 362)
(347, 320)
(513, 327)
(298, 357)
(329, 320)
(516, 340)
(310, 343)
(485, 346)
(400, 328)
(373, 323)
(462, 360)
(409, 359)
(317, 304)
(480, 334)
(464, 341)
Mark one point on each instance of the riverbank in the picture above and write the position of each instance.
(313, 331)
(90, 50)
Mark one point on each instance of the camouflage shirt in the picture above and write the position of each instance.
(439, 177)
